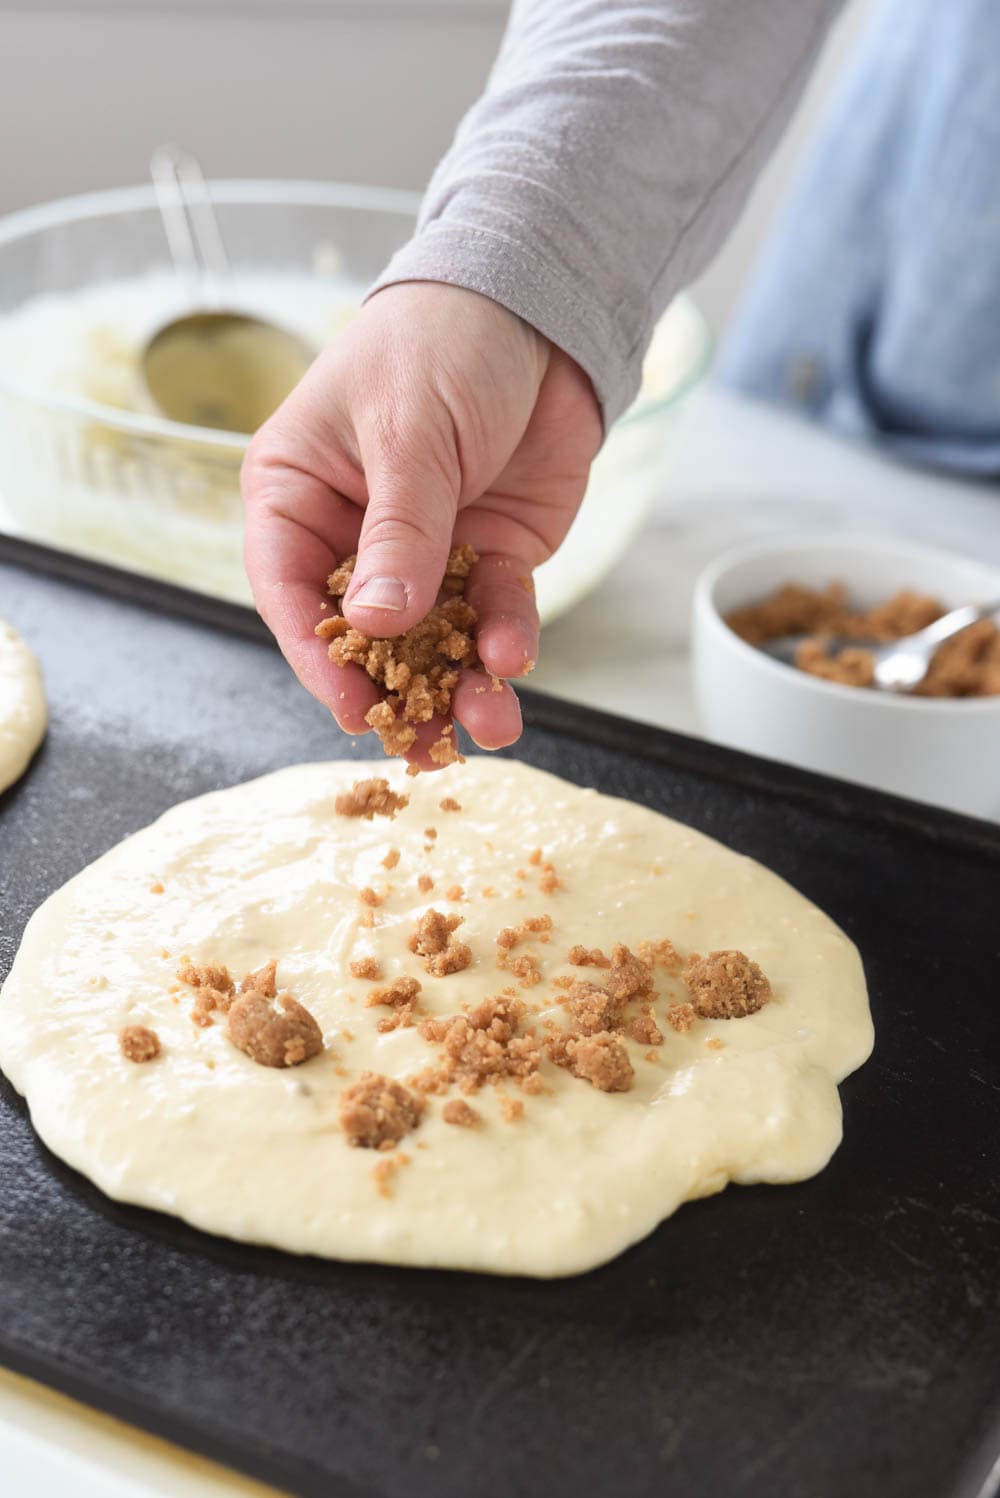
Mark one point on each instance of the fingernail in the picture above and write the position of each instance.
(381, 593)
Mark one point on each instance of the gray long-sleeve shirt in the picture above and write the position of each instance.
(606, 161)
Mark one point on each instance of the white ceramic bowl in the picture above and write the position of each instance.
(941, 750)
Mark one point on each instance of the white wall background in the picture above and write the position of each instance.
(361, 90)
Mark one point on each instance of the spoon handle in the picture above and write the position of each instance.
(192, 229)
(954, 622)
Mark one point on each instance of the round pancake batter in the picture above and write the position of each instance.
(330, 1123)
(23, 714)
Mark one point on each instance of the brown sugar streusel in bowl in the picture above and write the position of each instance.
(932, 747)
(968, 665)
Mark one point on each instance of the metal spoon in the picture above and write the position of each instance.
(213, 367)
(900, 665)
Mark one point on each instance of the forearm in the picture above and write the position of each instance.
(606, 161)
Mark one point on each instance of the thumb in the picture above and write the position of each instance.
(413, 483)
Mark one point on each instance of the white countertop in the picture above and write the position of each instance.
(739, 472)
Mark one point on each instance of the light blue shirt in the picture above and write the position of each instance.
(876, 307)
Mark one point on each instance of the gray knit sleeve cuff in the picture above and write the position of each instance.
(506, 272)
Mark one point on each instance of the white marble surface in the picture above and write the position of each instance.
(739, 472)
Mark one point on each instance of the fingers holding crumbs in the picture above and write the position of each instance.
(502, 592)
(419, 683)
(415, 672)
(490, 716)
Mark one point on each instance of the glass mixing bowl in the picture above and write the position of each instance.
(85, 463)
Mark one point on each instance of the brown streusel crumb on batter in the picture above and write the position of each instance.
(419, 670)
(628, 977)
(484, 1045)
(370, 798)
(524, 966)
(644, 1030)
(366, 967)
(434, 941)
(376, 1112)
(592, 1008)
(385, 1170)
(273, 1032)
(603, 1009)
(600, 1059)
(263, 980)
(681, 1017)
(138, 1043)
(211, 975)
(458, 1112)
(391, 858)
(726, 985)
(581, 956)
(450, 804)
(400, 991)
(400, 1019)
(660, 953)
(215, 990)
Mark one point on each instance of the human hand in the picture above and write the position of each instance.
(436, 418)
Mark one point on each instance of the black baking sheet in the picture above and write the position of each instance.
(839, 1337)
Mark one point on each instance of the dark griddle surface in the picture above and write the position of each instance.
(841, 1337)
